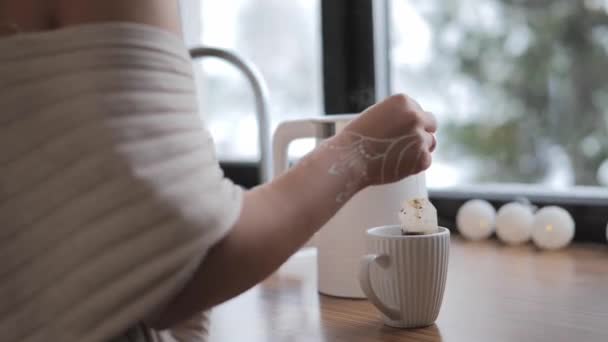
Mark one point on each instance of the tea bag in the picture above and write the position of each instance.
(418, 216)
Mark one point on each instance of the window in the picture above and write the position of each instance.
(520, 87)
(282, 39)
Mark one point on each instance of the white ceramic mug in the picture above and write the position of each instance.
(408, 285)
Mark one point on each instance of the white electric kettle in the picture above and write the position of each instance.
(340, 243)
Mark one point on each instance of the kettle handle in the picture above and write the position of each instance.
(287, 132)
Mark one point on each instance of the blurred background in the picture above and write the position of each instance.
(519, 87)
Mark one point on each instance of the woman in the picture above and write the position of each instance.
(114, 210)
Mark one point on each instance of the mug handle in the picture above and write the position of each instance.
(366, 283)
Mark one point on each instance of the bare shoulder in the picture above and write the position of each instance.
(160, 13)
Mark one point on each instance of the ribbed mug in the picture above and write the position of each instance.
(404, 276)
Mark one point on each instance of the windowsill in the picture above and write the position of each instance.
(533, 192)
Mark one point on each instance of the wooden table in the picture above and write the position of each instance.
(494, 293)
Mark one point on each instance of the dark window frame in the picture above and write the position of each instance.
(353, 79)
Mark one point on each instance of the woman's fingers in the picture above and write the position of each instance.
(425, 153)
(428, 141)
(425, 161)
(429, 122)
(433, 143)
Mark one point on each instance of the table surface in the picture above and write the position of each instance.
(493, 293)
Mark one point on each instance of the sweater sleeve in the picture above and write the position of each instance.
(110, 191)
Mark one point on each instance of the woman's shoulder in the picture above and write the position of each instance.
(78, 25)
(163, 14)
(37, 16)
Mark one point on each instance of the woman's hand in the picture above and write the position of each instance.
(392, 140)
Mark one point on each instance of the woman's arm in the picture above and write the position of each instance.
(279, 217)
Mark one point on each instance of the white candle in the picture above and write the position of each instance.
(553, 228)
(514, 223)
(475, 219)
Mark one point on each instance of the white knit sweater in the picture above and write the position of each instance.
(110, 192)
